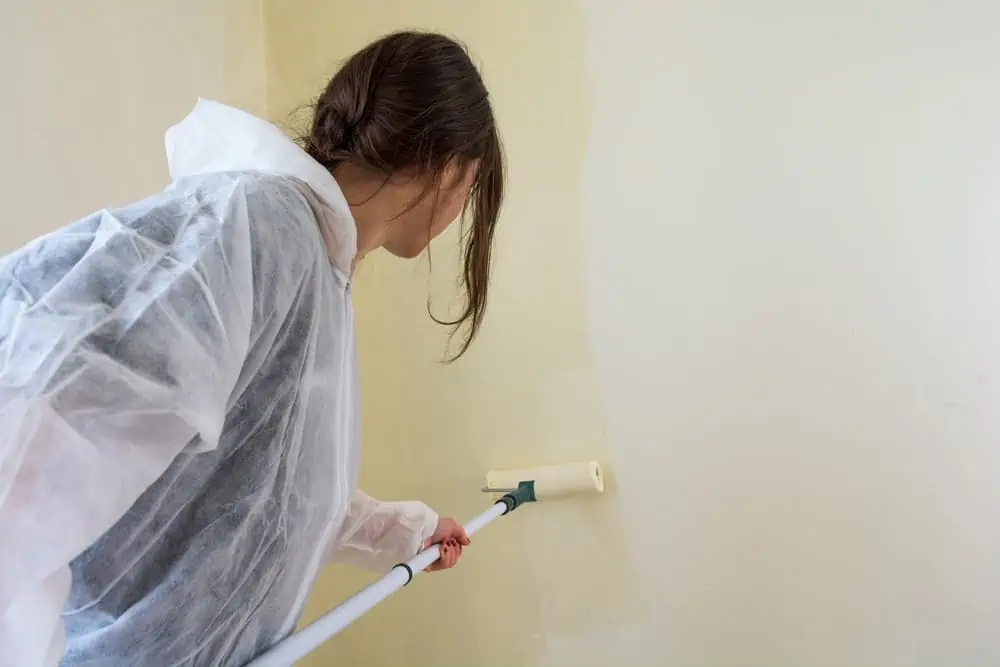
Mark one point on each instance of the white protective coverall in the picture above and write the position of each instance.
(179, 436)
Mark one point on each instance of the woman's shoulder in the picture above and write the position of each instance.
(271, 202)
(274, 210)
(287, 210)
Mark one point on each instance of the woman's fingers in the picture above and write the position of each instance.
(450, 554)
(446, 557)
(451, 551)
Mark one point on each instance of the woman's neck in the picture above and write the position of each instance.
(370, 201)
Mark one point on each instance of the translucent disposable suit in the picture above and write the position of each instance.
(179, 413)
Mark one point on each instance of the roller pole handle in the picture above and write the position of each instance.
(296, 646)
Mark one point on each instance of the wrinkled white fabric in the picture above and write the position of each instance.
(377, 536)
(179, 414)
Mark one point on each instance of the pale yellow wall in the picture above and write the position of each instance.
(792, 221)
(90, 87)
(749, 260)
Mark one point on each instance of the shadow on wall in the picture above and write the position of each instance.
(526, 393)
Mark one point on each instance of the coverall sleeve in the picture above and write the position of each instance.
(120, 345)
(378, 535)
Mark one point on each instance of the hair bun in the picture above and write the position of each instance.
(335, 130)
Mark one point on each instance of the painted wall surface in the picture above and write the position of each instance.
(792, 222)
(751, 259)
(90, 87)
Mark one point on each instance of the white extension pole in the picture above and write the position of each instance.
(303, 642)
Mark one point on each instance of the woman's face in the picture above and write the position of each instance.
(411, 233)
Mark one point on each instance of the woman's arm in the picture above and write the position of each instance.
(377, 535)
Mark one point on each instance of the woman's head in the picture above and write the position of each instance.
(407, 129)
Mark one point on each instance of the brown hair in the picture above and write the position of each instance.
(415, 101)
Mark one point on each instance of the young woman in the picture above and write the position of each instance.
(179, 436)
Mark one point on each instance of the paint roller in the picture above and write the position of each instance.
(510, 489)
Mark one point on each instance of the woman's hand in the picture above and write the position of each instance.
(452, 538)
